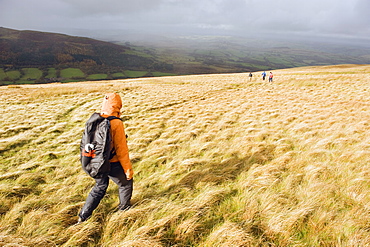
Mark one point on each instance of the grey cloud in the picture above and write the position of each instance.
(111, 7)
(345, 17)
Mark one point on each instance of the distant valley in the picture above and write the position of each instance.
(28, 57)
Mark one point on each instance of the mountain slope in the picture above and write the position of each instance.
(31, 48)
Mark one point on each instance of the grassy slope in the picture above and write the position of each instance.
(219, 161)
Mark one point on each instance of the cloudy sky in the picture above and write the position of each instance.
(339, 18)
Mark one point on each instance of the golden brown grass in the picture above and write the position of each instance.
(219, 161)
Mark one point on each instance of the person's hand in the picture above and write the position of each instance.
(129, 174)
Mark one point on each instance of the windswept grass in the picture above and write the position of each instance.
(219, 161)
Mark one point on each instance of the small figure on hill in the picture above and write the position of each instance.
(120, 170)
(270, 77)
(263, 75)
(250, 76)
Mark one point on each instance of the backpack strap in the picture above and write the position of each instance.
(113, 151)
(113, 117)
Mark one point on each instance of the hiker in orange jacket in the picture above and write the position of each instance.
(121, 171)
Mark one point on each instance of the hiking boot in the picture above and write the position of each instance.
(124, 208)
(80, 220)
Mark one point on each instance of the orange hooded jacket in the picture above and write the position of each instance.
(111, 106)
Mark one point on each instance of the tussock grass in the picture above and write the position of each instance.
(219, 161)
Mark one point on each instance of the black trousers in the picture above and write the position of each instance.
(97, 193)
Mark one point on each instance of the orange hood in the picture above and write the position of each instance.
(112, 105)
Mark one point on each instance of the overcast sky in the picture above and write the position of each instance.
(240, 17)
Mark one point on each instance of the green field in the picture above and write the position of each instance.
(97, 77)
(118, 75)
(135, 74)
(35, 75)
(162, 74)
(52, 73)
(31, 74)
(2, 75)
(13, 75)
(138, 52)
(72, 73)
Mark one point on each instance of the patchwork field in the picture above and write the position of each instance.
(219, 160)
(37, 76)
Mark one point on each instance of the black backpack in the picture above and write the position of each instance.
(95, 147)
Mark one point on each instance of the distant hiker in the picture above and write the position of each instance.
(270, 77)
(250, 76)
(263, 75)
(119, 166)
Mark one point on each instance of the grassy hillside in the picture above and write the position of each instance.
(32, 50)
(219, 161)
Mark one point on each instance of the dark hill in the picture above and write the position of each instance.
(35, 49)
